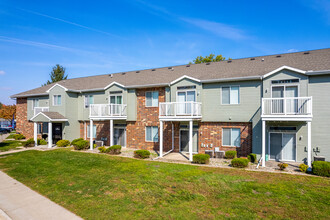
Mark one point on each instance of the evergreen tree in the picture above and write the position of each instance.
(57, 74)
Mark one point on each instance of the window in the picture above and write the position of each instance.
(152, 99)
(94, 131)
(35, 103)
(116, 99)
(89, 99)
(152, 133)
(39, 128)
(230, 95)
(57, 100)
(231, 137)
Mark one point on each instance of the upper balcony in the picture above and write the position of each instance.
(40, 109)
(108, 111)
(287, 109)
(180, 110)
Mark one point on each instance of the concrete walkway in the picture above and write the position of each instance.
(3, 137)
(18, 201)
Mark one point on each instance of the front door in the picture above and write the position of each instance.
(119, 136)
(57, 132)
(184, 140)
(282, 146)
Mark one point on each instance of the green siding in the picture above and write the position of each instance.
(43, 102)
(186, 82)
(131, 105)
(41, 118)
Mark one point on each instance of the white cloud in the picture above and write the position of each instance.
(2, 72)
(292, 50)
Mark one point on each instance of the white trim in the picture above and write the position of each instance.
(116, 95)
(231, 128)
(145, 95)
(114, 83)
(239, 94)
(282, 68)
(318, 72)
(50, 120)
(186, 90)
(187, 129)
(283, 132)
(145, 130)
(65, 89)
(244, 78)
(184, 77)
(39, 114)
(88, 99)
(53, 100)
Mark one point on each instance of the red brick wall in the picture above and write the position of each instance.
(102, 130)
(211, 133)
(23, 126)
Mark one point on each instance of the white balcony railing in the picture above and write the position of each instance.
(40, 109)
(178, 109)
(107, 110)
(287, 106)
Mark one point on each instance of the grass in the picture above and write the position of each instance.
(7, 145)
(96, 186)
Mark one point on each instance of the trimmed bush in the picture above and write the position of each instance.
(142, 154)
(18, 136)
(252, 158)
(29, 143)
(303, 167)
(81, 145)
(239, 162)
(201, 158)
(102, 149)
(63, 143)
(42, 142)
(321, 168)
(231, 154)
(76, 140)
(115, 149)
(282, 166)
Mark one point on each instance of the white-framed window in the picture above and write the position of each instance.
(116, 99)
(152, 133)
(230, 95)
(152, 99)
(231, 137)
(89, 99)
(35, 103)
(57, 100)
(94, 131)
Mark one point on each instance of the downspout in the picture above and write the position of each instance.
(172, 144)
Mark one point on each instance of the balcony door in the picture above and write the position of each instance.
(115, 104)
(183, 98)
(279, 93)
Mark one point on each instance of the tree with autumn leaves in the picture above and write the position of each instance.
(7, 111)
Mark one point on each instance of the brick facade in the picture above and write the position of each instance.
(23, 126)
(102, 130)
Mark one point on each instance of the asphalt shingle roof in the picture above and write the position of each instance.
(315, 60)
(54, 115)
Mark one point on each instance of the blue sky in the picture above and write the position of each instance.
(100, 37)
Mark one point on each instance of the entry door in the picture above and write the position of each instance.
(184, 140)
(183, 97)
(282, 146)
(119, 136)
(57, 132)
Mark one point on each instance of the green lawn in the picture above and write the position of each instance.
(7, 145)
(98, 186)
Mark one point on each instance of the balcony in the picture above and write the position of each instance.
(40, 109)
(295, 108)
(180, 110)
(108, 111)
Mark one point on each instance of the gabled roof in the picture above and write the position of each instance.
(246, 68)
(49, 116)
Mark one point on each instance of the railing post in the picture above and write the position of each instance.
(285, 110)
(191, 108)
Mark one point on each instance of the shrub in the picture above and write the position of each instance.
(76, 140)
(81, 145)
(11, 136)
(231, 154)
(102, 149)
(252, 158)
(115, 149)
(42, 142)
(282, 166)
(18, 136)
(63, 143)
(142, 154)
(321, 168)
(239, 162)
(201, 158)
(29, 143)
(303, 167)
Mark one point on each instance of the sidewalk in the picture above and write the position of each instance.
(20, 202)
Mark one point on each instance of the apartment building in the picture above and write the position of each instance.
(276, 106)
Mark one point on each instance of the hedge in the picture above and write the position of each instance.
(42, 142)
(303, 167)
(239, 162)
(63, 143)
(282, 166)
(142, 154)
(252, 158)
(29, 143)
(76, 140)
(18, 136)
(81, 145)
(115, 149)
(102, 149)
(321, 168)
(231, 154)
(201, 158)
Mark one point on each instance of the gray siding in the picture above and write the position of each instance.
(186, 82)
(131, 105)
(43, 102)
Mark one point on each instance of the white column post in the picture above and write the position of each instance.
(111, 132)
(50, 134)
(190, 140)
(35, 133)
(263, 154)
(172, 135)
(91, 134)
(309, 144)
(161, 138)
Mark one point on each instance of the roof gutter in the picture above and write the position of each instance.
(319, 72)
(232, 79)
(29, 95)
(147, 86)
